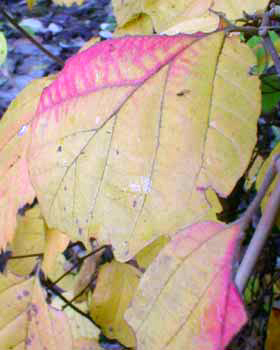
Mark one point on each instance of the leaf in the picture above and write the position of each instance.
(234, 9)
(148, 254)
(273, 330)
(270, 93)
(81, 327)
(136, 132)
(56, 242)
(85, 276)
(86, 344)
(26, 321)
(3, 48)
(114, 290)
(15, 294)
(15, 186)
(194, 304)
(190, 16)
(29, 239)
(47, 327)
(31, 3)
(133, 16)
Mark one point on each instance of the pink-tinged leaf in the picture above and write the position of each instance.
(135, 132)
(15, 186)
(186, 298)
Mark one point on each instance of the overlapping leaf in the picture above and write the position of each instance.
(15, 187)
(134, 131)
(26, 321)
(145, 16)
(116, 285)
(29, 239)
(185, 300)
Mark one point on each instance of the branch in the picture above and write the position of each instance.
(262, 231)
(29, 37)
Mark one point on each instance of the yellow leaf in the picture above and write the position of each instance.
(114, 290)
(234, 9)
(31, 3)
(186, 298)
(148, 254)
(175, 16)
(136, 132)
(15, 187)
(273, 330)
(142, 24)
(58, 267)
(81, 327)
(15, 296)
(26, 321)
(86, 343)
(55, 243)
(29, 239)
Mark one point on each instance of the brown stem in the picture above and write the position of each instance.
(26, 256)
(79, 263)
(29, 37)
(49, 284)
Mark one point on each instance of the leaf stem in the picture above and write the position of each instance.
(79, 263)
(26, 256)
(49, 284)
(30, 37)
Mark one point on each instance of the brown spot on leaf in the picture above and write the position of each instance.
(183, 92)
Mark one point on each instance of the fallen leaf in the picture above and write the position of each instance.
(178, 16)
(273, 330)
(29, 239)
(55, 243)
(81, 327)
(148, 254)
(194, 304)
(85, 276)
(15, 187)
(47, 327)
(114, 290)
(86, 344)
(26, 321)
(102, 170)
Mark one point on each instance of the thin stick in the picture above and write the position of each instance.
(29, 37)
(79, 263)
(50, 284)
(253, 207)
(81, 292)
(26, 256)
(258, 240)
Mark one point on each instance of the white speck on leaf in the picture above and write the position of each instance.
(23, 130)
(144, 185)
